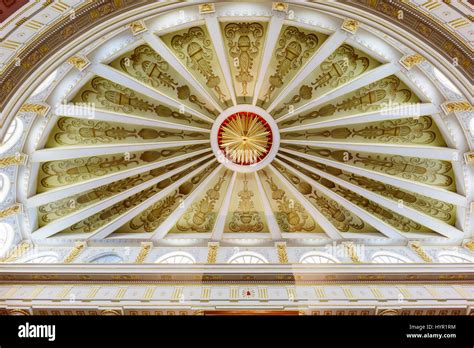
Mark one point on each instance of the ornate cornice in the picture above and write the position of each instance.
(423, 27)
(92, 13)
(59, 34)
(225, 273)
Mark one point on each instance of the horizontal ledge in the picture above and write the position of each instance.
(240, 273)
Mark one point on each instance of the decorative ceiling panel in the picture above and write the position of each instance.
(435, 208)
(152, 217)
(342, 66)
(387, 92)
(148, 218)
(289, 212)
(246, 212)
(427, 171)
(164, 153)
(193, 47)
(101, 93)
(74, 132)
(294, 48)
(52, 211)
(390, 217)
(147, 66)
(340, 217)
(60, 173)
(201, 216)
(407, 131)
(244, 42)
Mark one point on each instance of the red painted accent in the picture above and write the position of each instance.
(8, 7)
(252, 115)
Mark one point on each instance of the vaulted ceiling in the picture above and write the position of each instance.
(362, 152)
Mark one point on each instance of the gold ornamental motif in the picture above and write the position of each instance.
(392, 218)
(194, 48)
(201, 216)
(63, 207)
(350, 25)
(389, 91)
(339, 216)
(282, 254)
(245, 138)
(416, 246)
(469, 157)
(352, 252)
(469, 245)
(151, 218)
(433, 207)
(207, 8)
(17, 160)
(294, 48)
(291, 216)
(78, 248)
(456, 106)
(146, 65)
(409, 61)
(138, 27)
(60, 173)
(74, 131)
(244, 42)
(12, 210)
(280, 7)
(40, 109)
(342, 66)
(246, 218)
(212, 252)
(17, 251)
(165, 206)
(79, 62)
(144, 251)
(402, 131)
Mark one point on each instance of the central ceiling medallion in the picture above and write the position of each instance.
(245, 138)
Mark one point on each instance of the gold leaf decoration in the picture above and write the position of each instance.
(246, 210)
(109, 214)
(105, 94)
(193, 47)
(342, 66)
(290, 214)
(76, 131)
(420, 130)
(54, 210)
(145, 65)
(427, 171)
(59, 173)
(244, 42)
(338, 216)
(396, 220)
(433, 207)
(387, 92)
(294, 48)
(201, 215)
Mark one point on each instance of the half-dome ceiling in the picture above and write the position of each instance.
(324, 140)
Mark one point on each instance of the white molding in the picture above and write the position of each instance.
(218, 230)
(71, 152)
(328, 47)
(269, 215)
